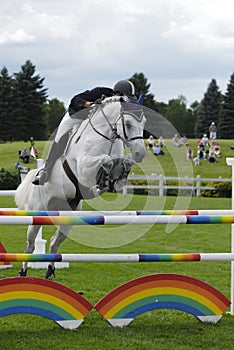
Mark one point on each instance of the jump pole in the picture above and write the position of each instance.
(116, 220)
(17, 212)
(157, 258)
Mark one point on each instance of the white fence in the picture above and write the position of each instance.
(159, 183)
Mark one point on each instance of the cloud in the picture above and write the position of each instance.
(179, 45)
(19, 36)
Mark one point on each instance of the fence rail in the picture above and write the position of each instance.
(159, 183)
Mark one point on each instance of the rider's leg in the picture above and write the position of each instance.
(56, 149)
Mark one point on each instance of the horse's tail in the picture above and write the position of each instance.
(24, 190)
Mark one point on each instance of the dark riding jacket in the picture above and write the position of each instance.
(78, 101)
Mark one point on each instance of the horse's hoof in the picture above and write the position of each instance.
(119, 184)
(107, 166)
(95, 192)
(50, 273)
(22, 273)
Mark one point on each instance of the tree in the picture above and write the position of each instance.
(226, 121)
(55, 112)
(179, 116)
(7, 105)
(209, 109)
(142, 86)
(30, 116)
(152, 117)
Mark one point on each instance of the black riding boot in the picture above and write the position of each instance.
(56, 150)
(44, 174)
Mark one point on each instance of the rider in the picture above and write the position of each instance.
(78, 103)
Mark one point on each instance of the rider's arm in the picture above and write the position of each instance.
(86, 98)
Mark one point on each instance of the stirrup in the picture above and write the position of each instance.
(40, 178)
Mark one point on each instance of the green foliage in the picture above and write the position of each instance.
(142, 86)
(8, 180)
(55, 112)
(179, 116)
(226, 123)
(7, 105)
(209, 110)
(222, 190)
(29, 118)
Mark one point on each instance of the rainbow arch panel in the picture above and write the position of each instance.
(31, 295)
(162, 291)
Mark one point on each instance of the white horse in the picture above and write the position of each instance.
(93, 162)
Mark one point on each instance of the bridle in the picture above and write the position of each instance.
(113, 128)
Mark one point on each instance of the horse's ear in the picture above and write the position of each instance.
(141, 99)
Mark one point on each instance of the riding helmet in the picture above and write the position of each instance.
(125, 87)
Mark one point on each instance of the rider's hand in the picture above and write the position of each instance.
(98, 101)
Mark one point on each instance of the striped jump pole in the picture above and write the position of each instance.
(187, 257)
(116, 220)
(17, 212)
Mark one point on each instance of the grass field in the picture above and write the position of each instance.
(174, 162)
(163, 329)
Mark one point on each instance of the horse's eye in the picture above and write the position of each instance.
(128, 125)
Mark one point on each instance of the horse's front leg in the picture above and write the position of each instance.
(30, 246)
(55, 242)
(94, 173)
(120, 172)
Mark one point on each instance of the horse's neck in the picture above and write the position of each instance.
(97, 127)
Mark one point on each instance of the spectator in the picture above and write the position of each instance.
(189, 153)
(196, 161)
(201, 152)
(205, 140)
(184, 140)
(161, 141)
(150, 142)
(211, 157)
(217, 151)
(212, 130)
(18, 165)
(175, 141)
(157, 150)
(24, 155)
(31, 142)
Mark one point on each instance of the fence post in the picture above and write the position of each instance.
(198, 185)
(161, 185)
(230, 161)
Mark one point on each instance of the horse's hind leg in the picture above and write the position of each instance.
(55, 242)
(30, 246)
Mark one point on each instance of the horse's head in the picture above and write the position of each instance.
(130, 127)
(126, 122)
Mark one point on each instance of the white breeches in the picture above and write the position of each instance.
(66, 125)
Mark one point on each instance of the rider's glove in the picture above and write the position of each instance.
(98, 101)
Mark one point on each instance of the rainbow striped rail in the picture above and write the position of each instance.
(188, 257)
(116, 220)
(17, 212)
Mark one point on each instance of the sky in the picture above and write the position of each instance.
(179, 45)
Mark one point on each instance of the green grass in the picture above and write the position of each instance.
(174, 162)
(163, 329)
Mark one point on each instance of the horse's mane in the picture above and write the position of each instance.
(114, 98)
